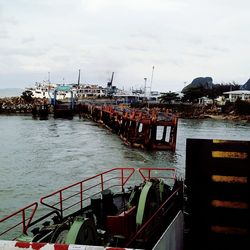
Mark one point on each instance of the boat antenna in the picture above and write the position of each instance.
(49, 77)
(152, 78)
(79, 77)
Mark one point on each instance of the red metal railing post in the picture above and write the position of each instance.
(20, 213)
(81, 198)
(23, 217)
(102, 181)
(122, 180)
(147, 175)
(61, 206)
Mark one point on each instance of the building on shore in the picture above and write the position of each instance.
(243, 95)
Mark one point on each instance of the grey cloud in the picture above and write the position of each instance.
(142, 35)
(27, 52)
(4, 34)
(140, 49)
(28, 40)
(9, 21)
(62, 58)
(199, 55)
(219, 49)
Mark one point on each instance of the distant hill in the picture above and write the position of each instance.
(10, 92)
(246, 86)
(205, 82)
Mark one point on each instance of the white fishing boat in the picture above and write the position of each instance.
(41, 90)
(46, 90)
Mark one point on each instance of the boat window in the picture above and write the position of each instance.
(140, 128)
(160, 133)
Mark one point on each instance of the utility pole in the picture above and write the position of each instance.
(145, 87)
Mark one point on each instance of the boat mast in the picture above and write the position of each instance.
(49, 77)
(79, 77)
(49, 85)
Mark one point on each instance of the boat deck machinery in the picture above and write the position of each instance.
(111, 209)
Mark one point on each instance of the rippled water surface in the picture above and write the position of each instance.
(40, 156)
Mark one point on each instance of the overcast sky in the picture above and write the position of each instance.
(182, 39)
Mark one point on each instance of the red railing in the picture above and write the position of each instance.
(23, 221)
(147, 173)
(79, 194)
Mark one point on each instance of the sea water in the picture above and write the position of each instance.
(38, 157)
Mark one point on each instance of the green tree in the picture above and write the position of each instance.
(169, 97)
(219, 89)
(192, 94)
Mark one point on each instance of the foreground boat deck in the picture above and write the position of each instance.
(212, 214)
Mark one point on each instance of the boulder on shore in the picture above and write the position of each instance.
(205, 82)
(246, 86)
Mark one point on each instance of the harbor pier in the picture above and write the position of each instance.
(141, 128)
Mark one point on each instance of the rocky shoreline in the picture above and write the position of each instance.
(17, 105)
(217, 116)
(245, 118)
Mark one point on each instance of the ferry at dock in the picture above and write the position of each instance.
(80, 91)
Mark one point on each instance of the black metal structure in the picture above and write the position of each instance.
(218, 191)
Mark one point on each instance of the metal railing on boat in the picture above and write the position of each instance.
(78, 195)
(81, 192)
